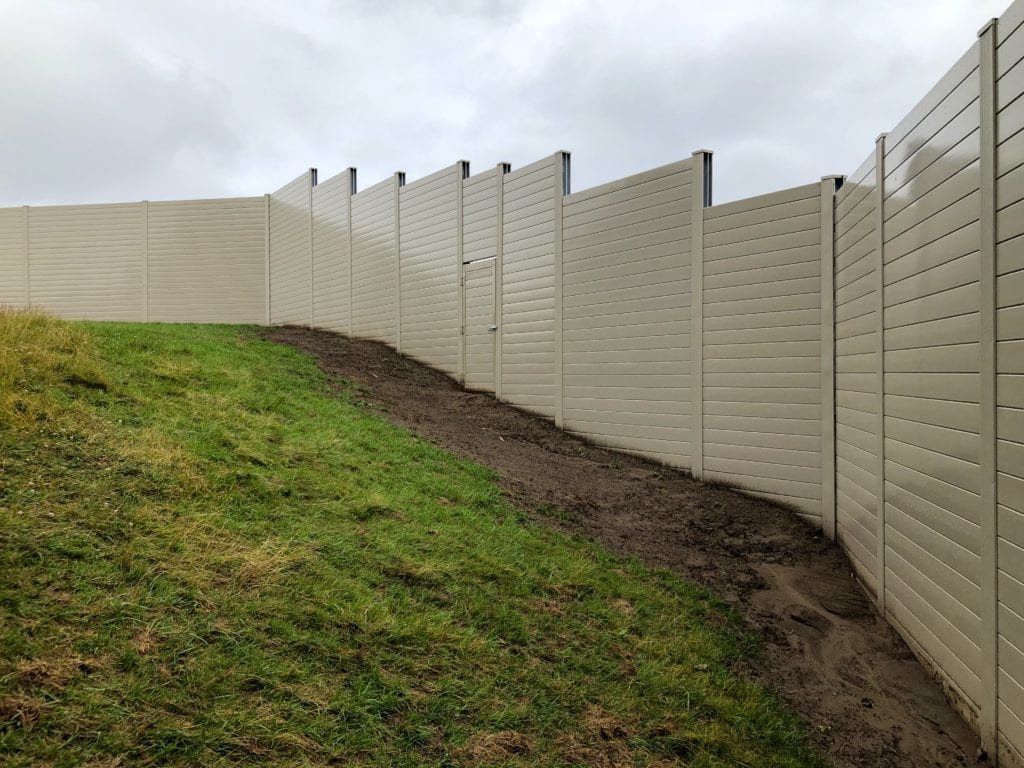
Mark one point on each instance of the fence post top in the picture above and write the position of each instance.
(990, 24)
(702, 152)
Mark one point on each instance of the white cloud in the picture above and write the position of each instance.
(106, 100)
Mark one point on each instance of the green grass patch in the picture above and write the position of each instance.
(211, 556)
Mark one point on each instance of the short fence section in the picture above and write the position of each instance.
(200, 261)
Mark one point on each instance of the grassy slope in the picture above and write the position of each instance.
(207, 557)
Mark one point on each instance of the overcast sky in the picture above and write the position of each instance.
(111, 100)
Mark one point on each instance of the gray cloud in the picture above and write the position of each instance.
(106, 100)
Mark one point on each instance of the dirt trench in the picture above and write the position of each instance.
(866, 700)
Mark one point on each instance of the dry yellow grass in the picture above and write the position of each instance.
(40, 357)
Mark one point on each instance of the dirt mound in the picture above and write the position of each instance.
(866, 700)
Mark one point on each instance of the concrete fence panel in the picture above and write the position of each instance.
(626, 313)
(291, 248)
(430, 238)
(375, 274)
(332, 252)
(206, 261)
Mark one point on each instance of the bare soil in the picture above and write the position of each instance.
(863, 695)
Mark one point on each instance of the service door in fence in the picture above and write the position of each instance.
(478, 295)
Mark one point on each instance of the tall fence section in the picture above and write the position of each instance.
(852, 348)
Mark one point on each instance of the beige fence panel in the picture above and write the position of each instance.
(88, 261)
(626, 313)
(206, 261)
(481, 239)
(528, 333)
(291, 276)
(481, 325)
(1009, 335)
(762, 346)
(331, 252)
(14, 257)
(429, 229)
(375, 263)
(479, 216)
(931, 327)
(857, 358)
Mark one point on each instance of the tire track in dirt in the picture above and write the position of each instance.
(866, 700)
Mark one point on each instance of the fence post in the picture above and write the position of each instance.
(461, 174)
(829, 185)
(266, 261)
(28, 259)
(880, 367)
(312, 293)
(499, 286)
(399, 183)
(561, 181)
(144, 210)
(348, 215)
(988, 707)
(700, 197)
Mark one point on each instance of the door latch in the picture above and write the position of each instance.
(492, 328)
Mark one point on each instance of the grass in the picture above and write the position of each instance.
(209, 555)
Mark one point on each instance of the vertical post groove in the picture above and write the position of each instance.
(266, 261)
(828, 360)
(399, 183)
(561, 173)
(461, 172)
(880, 367)
(145, 260)
(700, 194)
(499, 286)
(988, 714)
(348, 215)
(312, 269)
(28, 259)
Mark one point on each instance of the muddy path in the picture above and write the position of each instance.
(866, 700)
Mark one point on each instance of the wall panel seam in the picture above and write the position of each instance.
(880, 371)
(28, 257)
(144, 214)
(697, 202)
(828, 368)
(560, 170)
(499, 273)
(988, 714)
(461, 173)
